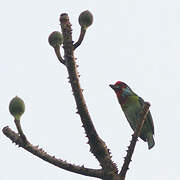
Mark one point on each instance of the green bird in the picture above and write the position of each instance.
(131, 105)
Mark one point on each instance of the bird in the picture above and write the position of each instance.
(132, 105)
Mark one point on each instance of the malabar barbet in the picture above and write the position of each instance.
(132, 105)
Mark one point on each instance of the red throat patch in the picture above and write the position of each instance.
(121, 99)
(119, 90)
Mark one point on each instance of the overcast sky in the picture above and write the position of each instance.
(134, 41)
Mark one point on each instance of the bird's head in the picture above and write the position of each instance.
(118, 86)
(121, 89)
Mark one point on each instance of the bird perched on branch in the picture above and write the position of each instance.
(131, 105)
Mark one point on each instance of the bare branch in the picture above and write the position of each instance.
(97, 146)
(135, 136)
(98, 173)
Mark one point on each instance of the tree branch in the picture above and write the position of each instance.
(15, 137)
(97, 146)
(135, 136)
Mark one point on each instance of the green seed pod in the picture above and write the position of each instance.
(85, 19)
(17, 107)
(55, 39)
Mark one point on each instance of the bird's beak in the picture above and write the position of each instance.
(112, 86)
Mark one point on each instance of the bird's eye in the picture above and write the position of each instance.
(118, 86)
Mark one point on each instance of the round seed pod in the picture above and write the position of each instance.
(85, 19)
(16, 107)
(55, 39)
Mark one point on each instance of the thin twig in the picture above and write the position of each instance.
(58, 54)
(18, 126)
(81, 37)
(135, 136)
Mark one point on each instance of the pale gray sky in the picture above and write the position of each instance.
(137, 42)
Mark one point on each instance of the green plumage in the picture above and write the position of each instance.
(131, 109)
(131, 105)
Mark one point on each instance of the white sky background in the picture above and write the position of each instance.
(137, 42)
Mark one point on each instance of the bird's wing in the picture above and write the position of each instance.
(149, 117)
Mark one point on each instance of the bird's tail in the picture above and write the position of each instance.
(150, 141)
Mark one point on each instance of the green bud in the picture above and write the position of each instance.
(85, 19)
(55, 39)
(17, 107)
